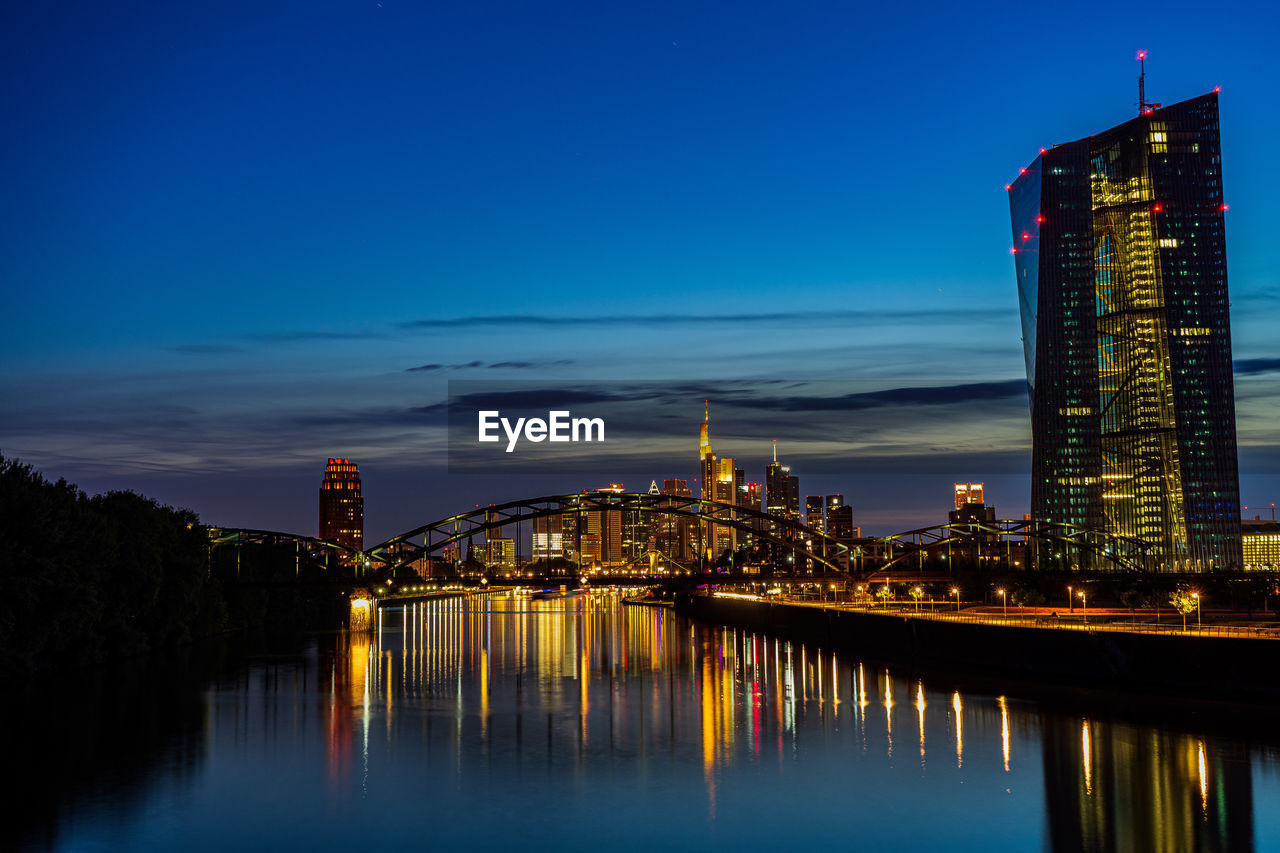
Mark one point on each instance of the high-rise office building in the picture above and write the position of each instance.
(751, 496)
(839, 526)
(814, 515)
(548, 540)
(601, 531)
(342, 505)
(677, 536)
(782, 502)
(782, 489)
(717, 483)
(1119, 248)
(968, 493)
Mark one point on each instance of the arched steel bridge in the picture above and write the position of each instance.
(823, 551)
(306, 549)
(1096, 547)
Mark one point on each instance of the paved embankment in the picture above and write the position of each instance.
(1235, 666)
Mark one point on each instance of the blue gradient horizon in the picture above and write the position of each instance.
(230, 232)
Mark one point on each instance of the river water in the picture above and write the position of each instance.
(584, 724)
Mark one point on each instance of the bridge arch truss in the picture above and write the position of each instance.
(791, 535)
(1079, 545)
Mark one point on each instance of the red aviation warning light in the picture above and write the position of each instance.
(1157, 208)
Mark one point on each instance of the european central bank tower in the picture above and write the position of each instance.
(1120, 252)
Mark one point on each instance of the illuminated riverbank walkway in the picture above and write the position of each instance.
(1046, 618)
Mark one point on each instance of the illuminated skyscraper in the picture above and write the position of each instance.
(717, 482)
(601, 530)
(342, 505)
(782, 489)
(677, 535)
(1119, 247)
(782, 501)
(968, 493)
(813, 512)
(839, 526)
(548, 537)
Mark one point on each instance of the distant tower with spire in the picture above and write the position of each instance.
(716, 482)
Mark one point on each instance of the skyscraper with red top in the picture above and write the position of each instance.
(342, 505)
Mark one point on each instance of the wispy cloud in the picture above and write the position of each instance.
(668, 320)
(204, 349)
(497, 365)
(1254, 366)
(314, 335)
(935, 395)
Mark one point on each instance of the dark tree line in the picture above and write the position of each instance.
(85, 578)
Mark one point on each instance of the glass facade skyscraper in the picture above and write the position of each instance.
(1120, 254)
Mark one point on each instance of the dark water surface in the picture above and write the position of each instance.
(581, 724)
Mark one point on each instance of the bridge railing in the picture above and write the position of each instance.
(1041, 621)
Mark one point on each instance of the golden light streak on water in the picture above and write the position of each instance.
(821, 696)
(835, 681)
(1204, 781)
(888, 711)
(920, 705)
(708, 734)
(959, 709)
(1086, 746)
(789, 704)
(1004, 731)
(484, 694)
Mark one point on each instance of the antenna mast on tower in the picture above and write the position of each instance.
(1143, 107)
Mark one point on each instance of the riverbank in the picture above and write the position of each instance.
(1217, 666)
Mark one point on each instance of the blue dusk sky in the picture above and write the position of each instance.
(238, 238)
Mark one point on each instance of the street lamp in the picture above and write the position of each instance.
(1070, 601)
(1196, 596)
(1005, 599)
(917, 595)
(1084, 602)
(955, 590)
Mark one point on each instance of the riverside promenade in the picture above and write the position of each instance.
(1236, 661)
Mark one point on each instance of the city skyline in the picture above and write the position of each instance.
(204, 306)
(633, 410)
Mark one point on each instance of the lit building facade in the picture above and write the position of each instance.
(342, 505)
(1261, 544)
(548, 541)
(782, 489)
(814, 512)
(1119, 248)
(716, 482)
(677, 536)
(782, 501)
(968, 493)
(839, 526)
(501, 554)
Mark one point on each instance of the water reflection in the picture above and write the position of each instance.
(579, 719)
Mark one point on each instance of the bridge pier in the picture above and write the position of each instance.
(361, 616)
